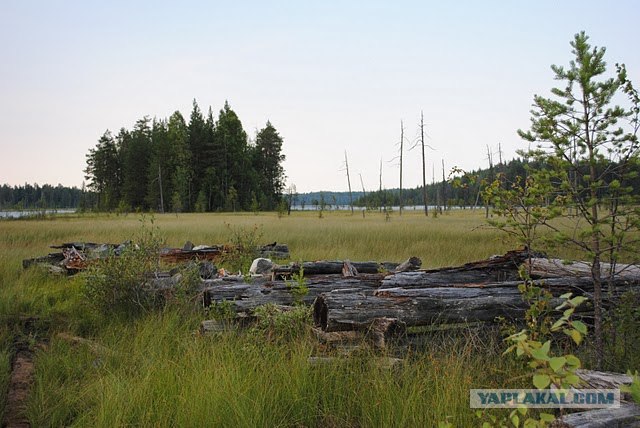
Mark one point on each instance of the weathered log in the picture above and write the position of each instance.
(495, 269)
(592, 379)
(338, 337)
(411, 264)
(382, 331)
(415, 307)
(627, 416)
(50, 259)
(551, 268)
(246, 297)
(331, 267)
(348, 269)
(578, 285)
(274, 251)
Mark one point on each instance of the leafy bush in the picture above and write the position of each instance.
(120, 284)
(243, 247)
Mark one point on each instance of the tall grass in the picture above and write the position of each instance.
(159, 374)
(155, 371)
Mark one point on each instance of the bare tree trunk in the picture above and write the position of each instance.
(424, 170)
(401, 147)
(490, 158)
(364, 192)
(380, 190)
(444, 189)
(346, 164)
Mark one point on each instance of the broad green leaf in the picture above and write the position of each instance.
(539, 354)
(578, 300)
(515, 420)
(541, 381)
(573, 361)
(546, 417)
(556, 363)
(575, 335)
(556, 325)
(572, 379)
(580, 326)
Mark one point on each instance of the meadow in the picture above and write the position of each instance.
(155, 370)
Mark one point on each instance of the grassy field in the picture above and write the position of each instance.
(154, 370)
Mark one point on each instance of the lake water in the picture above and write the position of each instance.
(34, 213)
(310, 207)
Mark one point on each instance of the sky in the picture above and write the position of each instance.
(331, 76)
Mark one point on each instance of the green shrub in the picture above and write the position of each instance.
(121, 284)
(243, 247)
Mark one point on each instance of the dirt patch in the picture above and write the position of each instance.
(22, 373)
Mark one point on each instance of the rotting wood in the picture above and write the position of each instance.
(415, 307)
(499, 268)
(411, 264)
(348, 269)
(552, 268)
(592, 379)
(20, 381)
(578, 285)
(383, 331)
(627, 416)
(331, 267)
(76, 256)
(246, 297)
(338, 337)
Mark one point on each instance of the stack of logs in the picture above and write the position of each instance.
(350, 296)
(377, 302)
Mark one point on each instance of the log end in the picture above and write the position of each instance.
(320, 313)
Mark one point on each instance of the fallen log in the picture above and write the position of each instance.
(627, 415)
(415, 307)
(75, 256)
(578, 285)
(551, 268)
(246, 297)
(494, 269)
(53, 259)
(332, 267)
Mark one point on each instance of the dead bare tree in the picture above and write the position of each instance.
(346, 167)
(491, 178)
(433, 186)
(424, 171)
(380, 188)
(364, 194)
(444, 189)
(401, 147)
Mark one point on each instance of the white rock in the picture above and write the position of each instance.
(261, 266)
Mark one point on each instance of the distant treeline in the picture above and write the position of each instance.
(39, 197)
(208, 164)
(465, 188)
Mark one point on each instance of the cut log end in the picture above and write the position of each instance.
(320, 313)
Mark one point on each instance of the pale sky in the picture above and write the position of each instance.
(330, 75)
